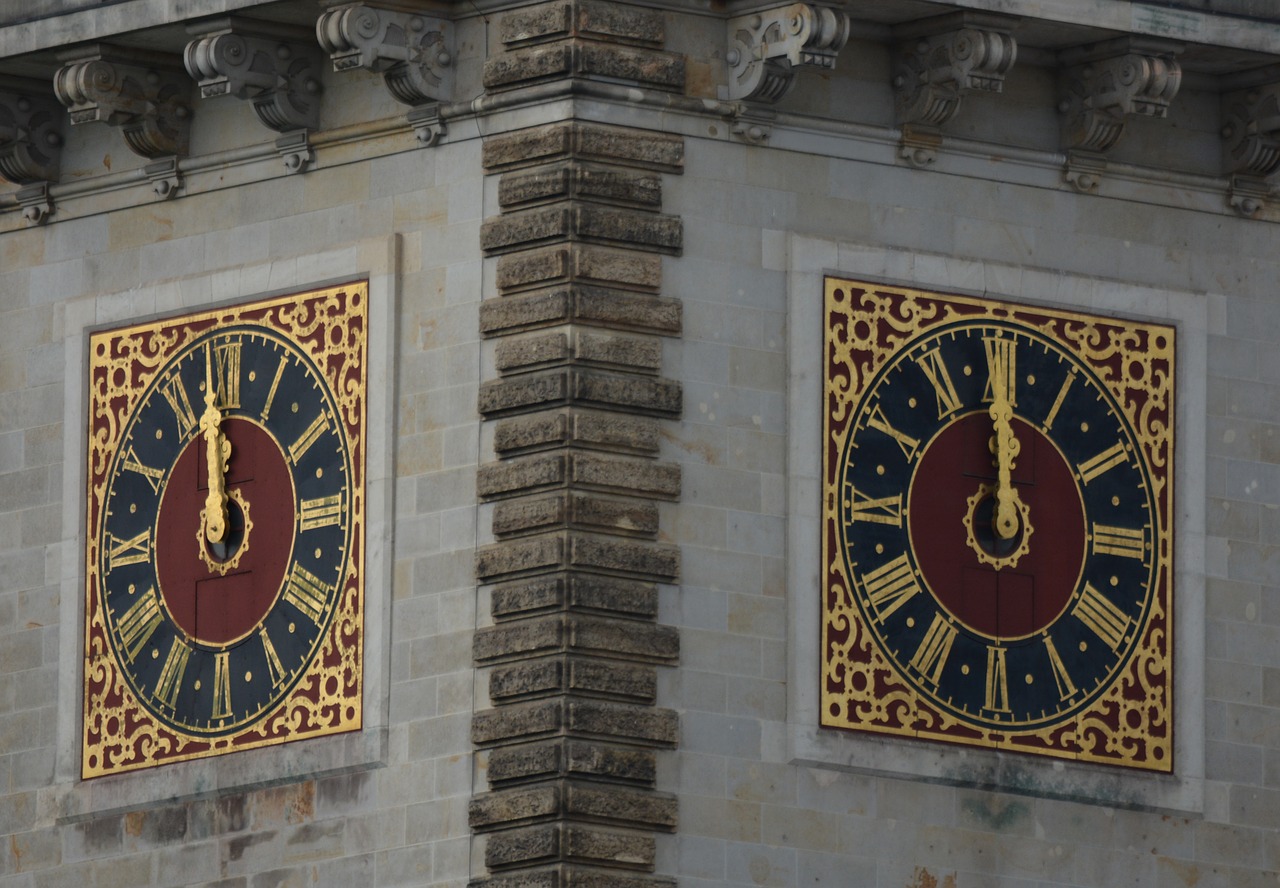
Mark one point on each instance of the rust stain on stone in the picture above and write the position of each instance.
(922, 878)
(133, 822)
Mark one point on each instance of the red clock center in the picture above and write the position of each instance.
(209, 606)
(1018, 599)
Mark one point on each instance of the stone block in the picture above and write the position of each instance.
(596, 306)
(626, 474)
(565, 633)
(626, 146)
(652, 68)
(631, 228)
(630, 434)
(577, 842)
(526, 352)
(625, 681)
(630, 352)
(586, 263)
(523, 66)
(615, 805)
(585, 18)
(523, 556)
(579, 718)
(578, 180)
(588, 512)
(585, 592)
(515, 807)
(656, 561)
(563, 757)
(522, 475)
(662, 397)
(570, 876)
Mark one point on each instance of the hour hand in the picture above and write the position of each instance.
(1006, 448)
(217, 454)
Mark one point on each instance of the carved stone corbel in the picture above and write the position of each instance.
(295, 148)
(941, 59)
(30, 133)
(276, 68)
(411, 52)
(752, 123)
(1251, 137)
(144, 94)
(1104, 85)
(36, 202)
(428, 126)
(165, 177)
(766, 47)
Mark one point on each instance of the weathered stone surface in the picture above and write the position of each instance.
(631, 434)
(602, 636)
(570, 549)
(569, 842)
(523, 474)
(565, 757)
(585, 592)
(583, 304)
(637, 724)
(615, 805)
(550, 388)
(640, 477)
(583, 18)
(531, 678)
(578, 180)
(572, 876)
(606, 349)
(652, 68)
(586, 141)
(587, 512)
(587, 263)
(525, 352)
(522, 556)
(635, 229)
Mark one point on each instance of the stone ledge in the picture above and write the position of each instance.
(577, 718)
(578, 758)
(596, 306)
(584, 802)
(569, 633)
(578, 428)
(584, 141)
(618, 597)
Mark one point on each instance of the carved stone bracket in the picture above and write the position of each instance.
(428, 125)
(146, 97)
(276, 68)
(411, 52)
(919, 145)
(36, 202)
(1084, 170)
(943, 58)
(296, 150)
(752, 124)
(1251, 129)
(165, 177)
(766, 47)
(30, 133)
(1102, 86)
(1247, 194)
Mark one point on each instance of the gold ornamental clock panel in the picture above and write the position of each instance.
(225, 539)
(997, 508)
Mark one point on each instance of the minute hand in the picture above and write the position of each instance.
(1006, 447)
(217, 453)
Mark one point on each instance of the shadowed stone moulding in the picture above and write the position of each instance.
(146, 97)
(411, 52)
(1251, 139)
(274, 67)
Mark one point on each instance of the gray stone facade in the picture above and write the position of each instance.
(595, 235)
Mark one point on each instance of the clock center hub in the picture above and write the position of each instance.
(951, 515)
(219, 592)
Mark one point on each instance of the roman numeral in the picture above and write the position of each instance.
(890, 586)
(139, 622)
(171, 675)
(299, 447)
(274, 668)
(131, 551)
(1097, 612)
(227, 373)
(307, 592)
(1057, 402)
(936, 371)
(275, 384)
(176, 395)
(321, 512)
(882, 510)
(1110, 458)
(153, 476)
(931, 657)
(877, 421)
(222, 684)
(1126, 542)
(997, 680)
(1002, 368)
(1066, 687)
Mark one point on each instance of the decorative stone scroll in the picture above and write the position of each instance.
(30, 133)
(1251, 138)
(411, 52)
(145, 95)
(766, 47)
(1102, 87)
(275, 67)
(941, 59)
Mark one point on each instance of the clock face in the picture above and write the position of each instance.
(997, 525)
(225, 530)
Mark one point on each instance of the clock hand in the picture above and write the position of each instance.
(1006, 448)
(217, 452)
